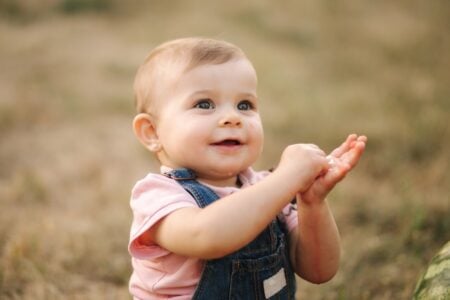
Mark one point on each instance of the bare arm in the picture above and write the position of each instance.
(232, 222)
(315, 244)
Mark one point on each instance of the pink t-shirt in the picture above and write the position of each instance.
(158, 273)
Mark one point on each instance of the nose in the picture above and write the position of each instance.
(230, 118)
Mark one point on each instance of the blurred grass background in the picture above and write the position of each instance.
(326, 68)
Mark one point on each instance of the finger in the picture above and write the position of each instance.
(326, 181)
(350, 143)
(352, 157)
(332, 177)
(345, 146)
(362, 138)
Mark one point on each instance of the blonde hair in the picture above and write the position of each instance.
(185, 54)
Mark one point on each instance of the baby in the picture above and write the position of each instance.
(209, 226)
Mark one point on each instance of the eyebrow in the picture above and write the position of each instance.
(248, 95)
(207, 91)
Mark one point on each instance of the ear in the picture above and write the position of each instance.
(145, 130)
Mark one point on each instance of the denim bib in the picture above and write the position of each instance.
(259, 270)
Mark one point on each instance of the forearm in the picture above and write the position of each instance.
(317, 249)
(234, 221)
(227, 224)
(315, 245)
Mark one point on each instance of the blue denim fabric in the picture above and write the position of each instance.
(240, 275)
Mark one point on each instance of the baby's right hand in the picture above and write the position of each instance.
(301, 164)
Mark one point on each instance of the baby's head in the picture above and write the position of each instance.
(168, 61)
(198, 108)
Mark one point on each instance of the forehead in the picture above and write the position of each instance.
(233, 74)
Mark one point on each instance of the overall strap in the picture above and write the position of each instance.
(202, 194)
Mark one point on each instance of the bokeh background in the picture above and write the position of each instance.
(68, 158)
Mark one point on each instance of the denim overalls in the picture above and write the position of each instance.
(259, 270)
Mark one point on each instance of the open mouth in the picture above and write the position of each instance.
(228, 143)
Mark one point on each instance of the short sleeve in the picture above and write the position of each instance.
(153, 198)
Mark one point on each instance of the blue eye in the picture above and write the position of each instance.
(204, 104)
(245, 105)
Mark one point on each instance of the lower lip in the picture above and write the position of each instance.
(227, 147)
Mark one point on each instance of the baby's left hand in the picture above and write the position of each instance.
(342, 160)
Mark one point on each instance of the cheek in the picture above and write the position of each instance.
(189, 132)
(256, 129)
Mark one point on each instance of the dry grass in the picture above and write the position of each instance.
(68, 158)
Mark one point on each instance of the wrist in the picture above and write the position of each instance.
(313, 215)
(308, 200)
(285, 183)
(290, 184)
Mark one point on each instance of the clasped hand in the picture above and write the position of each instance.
(340, 161)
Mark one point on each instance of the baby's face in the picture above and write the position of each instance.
(209, 121)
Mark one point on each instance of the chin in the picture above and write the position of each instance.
(229, 171)
(223, 170)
